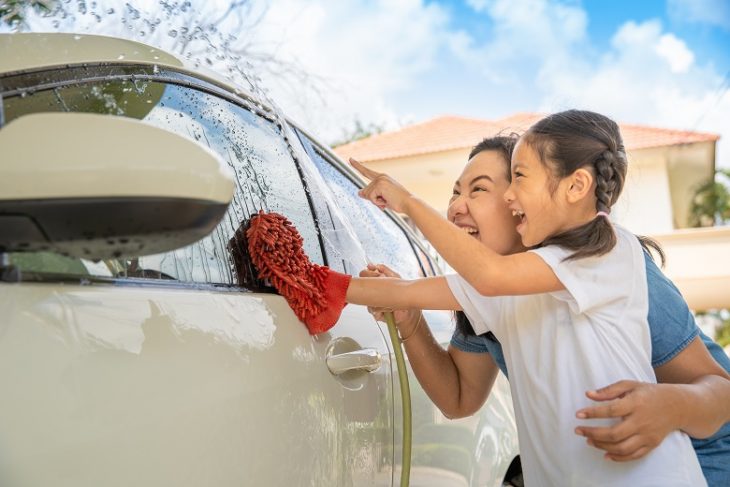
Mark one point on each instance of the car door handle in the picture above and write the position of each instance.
(367, 359)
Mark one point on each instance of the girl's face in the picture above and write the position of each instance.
(531, 199)
(477, 204)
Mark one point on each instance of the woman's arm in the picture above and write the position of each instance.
(703, 390)
(693, 396)
(457, 382)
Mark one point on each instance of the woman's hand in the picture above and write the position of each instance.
(383, 191)
(647, 413)
(405, 319)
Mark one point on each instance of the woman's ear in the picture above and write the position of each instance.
(580, 185)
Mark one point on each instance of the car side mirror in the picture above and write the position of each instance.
(100, 186)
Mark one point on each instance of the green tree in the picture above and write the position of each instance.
(722, 332)
(711, 206)
(358, 131)
(722, 336)
(711, 203)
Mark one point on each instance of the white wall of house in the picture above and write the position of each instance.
(645, 205)
(689, 166)
(699, 264)
(660, 184)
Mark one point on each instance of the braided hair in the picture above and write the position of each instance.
(575, 139)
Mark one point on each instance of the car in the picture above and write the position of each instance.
(134, 348)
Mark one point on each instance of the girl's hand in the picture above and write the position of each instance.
(405, 319)
(647, 418)
(383, 191)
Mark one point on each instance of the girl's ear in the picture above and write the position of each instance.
(580, 185)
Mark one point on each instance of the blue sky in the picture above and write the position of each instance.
(391, 62)
(711, 42)
(708, 41)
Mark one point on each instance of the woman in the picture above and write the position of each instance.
(694, 389)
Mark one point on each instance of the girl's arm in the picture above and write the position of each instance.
(457, 382)
(693, 396)
(488, 272)
(424, 293)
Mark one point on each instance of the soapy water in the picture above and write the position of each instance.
(216, 36)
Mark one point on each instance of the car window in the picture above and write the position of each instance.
(426, 261)
(382, 239)
(266, 173)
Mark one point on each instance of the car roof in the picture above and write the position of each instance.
(33, 51)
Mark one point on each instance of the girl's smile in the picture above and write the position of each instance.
(520, 216)
(529, 199)
(543, 204)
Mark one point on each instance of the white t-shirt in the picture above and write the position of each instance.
(559, 345)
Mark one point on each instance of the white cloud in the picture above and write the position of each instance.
(648, 76)
(360, 52)
(712, 12)
(675, 52)
(633, 39)
(478, 5)
(538, 57)
(365, 50)
(534, 29)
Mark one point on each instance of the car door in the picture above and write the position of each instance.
(477, 450)
(181, 368)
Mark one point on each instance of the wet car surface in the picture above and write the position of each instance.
(177, 367)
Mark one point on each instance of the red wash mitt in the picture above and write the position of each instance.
(315, 293)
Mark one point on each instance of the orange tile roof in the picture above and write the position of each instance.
(451, 132)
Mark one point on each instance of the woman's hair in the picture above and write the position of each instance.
(576, 139)
(504, 144)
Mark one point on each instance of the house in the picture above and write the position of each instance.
(665, 168)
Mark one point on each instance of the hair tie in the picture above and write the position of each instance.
(602, 213)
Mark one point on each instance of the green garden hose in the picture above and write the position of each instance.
(405, 394)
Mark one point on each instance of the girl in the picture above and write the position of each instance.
(459, 379)
(570, 313)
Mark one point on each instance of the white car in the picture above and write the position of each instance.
(134, 350)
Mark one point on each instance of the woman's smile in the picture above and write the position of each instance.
(469, 229)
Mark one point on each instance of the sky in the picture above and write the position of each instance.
(664, 63)
(392, 62)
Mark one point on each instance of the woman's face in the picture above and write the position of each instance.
(477, 204)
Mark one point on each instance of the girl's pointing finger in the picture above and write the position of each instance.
(367, 172)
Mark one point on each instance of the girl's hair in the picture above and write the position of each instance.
(505, 146)
(575, 139)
